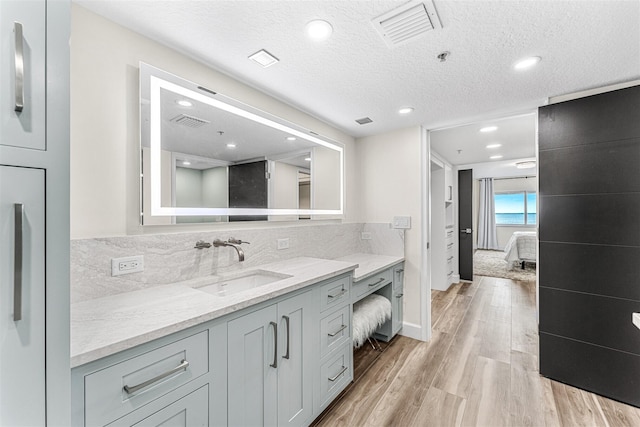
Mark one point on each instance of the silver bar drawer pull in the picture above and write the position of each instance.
(377, 283)
(342, 328)
(338, 295)
(344, 369)
(183, 365)
(17, 261)
(19, 65)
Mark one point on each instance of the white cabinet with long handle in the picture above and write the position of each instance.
(22, 301)
(22, 73)
(269, 356)
(34, 192)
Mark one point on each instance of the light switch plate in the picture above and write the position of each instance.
(401, 222)
(127, 265)
(365, 235)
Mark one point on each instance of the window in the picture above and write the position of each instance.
(516, 208)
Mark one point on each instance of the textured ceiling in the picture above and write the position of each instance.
(583, 44)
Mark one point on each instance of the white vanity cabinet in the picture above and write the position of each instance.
(270, 353)
(278, 362)
(335, 368)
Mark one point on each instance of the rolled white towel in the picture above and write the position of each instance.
(368, 315)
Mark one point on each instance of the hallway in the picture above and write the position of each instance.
(479, 369)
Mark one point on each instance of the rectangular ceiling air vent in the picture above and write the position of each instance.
(407, 22)
(364, 121)
(190, 121)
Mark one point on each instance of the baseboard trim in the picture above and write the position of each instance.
(411, 330)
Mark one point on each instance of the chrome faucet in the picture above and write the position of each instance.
(234, 243)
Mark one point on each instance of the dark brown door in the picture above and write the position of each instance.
(465, 221)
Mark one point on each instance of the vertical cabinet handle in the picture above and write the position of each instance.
(275, 344)
(286, 319)
(17, 261)
(19, 65)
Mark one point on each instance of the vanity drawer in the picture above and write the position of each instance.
(335, 293)
(374, 282)
(335, 374)
(121, 388)
(335, 330)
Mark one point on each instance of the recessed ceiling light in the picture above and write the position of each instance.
(307, 159)
(186, 163)
(264, 58)
(184, 103)
(526, 164)
(291, 138)
(496, 157)
(494, 145)
(231, 145)
(319, 30)
(405, 110)
(489, 129)
(525, 63)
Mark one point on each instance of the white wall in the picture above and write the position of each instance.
(105, 123)
(283, 190)
(389, 185)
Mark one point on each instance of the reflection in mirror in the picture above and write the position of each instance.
(208, 158)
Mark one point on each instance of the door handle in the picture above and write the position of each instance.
(466, 230)
(17, 261)
(275, 344)
(19, 66)
(286, 319)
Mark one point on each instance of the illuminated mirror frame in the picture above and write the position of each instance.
(156, 84)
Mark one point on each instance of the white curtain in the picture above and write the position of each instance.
(487, 235)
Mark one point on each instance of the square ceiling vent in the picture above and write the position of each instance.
(407, 22)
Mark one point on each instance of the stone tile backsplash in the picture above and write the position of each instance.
(170, 258)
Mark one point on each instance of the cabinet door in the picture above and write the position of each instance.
(297, 342)
(252, 369)
(22, 73)
(22, 301)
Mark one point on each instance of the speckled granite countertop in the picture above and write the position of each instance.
(104, 326)
(369, 264)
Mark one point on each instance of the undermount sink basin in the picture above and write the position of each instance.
(233, 285)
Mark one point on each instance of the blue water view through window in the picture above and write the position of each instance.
(515, 208)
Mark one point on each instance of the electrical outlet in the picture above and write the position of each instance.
(283, 243)
(127, 265)
(365, 235)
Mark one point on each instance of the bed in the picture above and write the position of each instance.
(521, 248)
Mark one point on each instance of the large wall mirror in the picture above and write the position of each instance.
(209, 158)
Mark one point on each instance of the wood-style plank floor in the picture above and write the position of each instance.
(479, 369)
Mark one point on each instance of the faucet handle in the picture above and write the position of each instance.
(237, 241)
(201, 244)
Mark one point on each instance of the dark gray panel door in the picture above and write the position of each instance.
(248, 188)
(465, 220)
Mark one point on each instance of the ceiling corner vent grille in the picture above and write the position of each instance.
(190, 121)
(407, 22)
